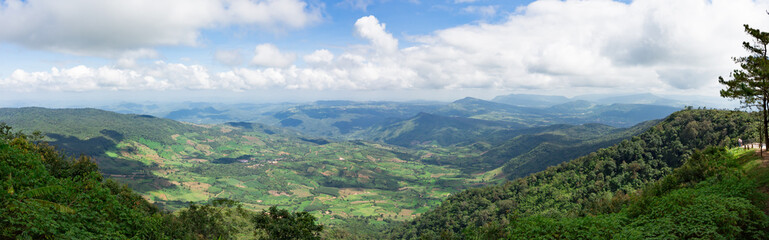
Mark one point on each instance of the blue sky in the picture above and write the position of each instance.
(282, 50)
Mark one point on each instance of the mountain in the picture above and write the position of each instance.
(620, 115)
(529, 154)
(575, 186)
(349, 120)
(545, 101)
(645, 98)
(91, 130)
(579, 106)
(469, 107)
(530, 100)
(200, 112)
(338, 119)
(475, 145)
(431, 129)
(574, 112)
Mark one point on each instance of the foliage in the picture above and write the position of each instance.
(47, 195)
(281, 224)
(709, 197)
(573, 188)
(750, 84)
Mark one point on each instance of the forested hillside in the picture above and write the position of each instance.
(573, 188)
(715, 194)
(46, 195)
(513, 153)
(430, 129)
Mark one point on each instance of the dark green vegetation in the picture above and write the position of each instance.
(578, 187)
(533, 153)
(713, 195)
(46, 195)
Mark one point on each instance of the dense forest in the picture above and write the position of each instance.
(714, 195)
(580, 187)
(47, 195)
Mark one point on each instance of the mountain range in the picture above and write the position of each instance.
(408, 170)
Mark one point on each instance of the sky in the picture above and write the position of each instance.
(55, 52)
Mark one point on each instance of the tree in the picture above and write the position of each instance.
(750, 83)
(282, 224)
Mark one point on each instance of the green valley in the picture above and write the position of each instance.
(173, 163)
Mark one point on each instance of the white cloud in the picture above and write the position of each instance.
(107, 28)
(270, 56)
(321, 56)
(229, 57)
(645, 46)
(486, 11)
(465, 1)
(370, 29)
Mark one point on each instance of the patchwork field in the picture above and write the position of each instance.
(331, 180)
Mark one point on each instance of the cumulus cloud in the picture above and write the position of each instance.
(269, 55)
(321, 56)
(643, 46)
(107, 28)
(370, 29)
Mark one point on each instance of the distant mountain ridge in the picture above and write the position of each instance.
(574, 112)
(340, 119)
(530, 100)
(545, 101)
(427, 128)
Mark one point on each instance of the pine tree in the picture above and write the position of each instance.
(750, 83)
